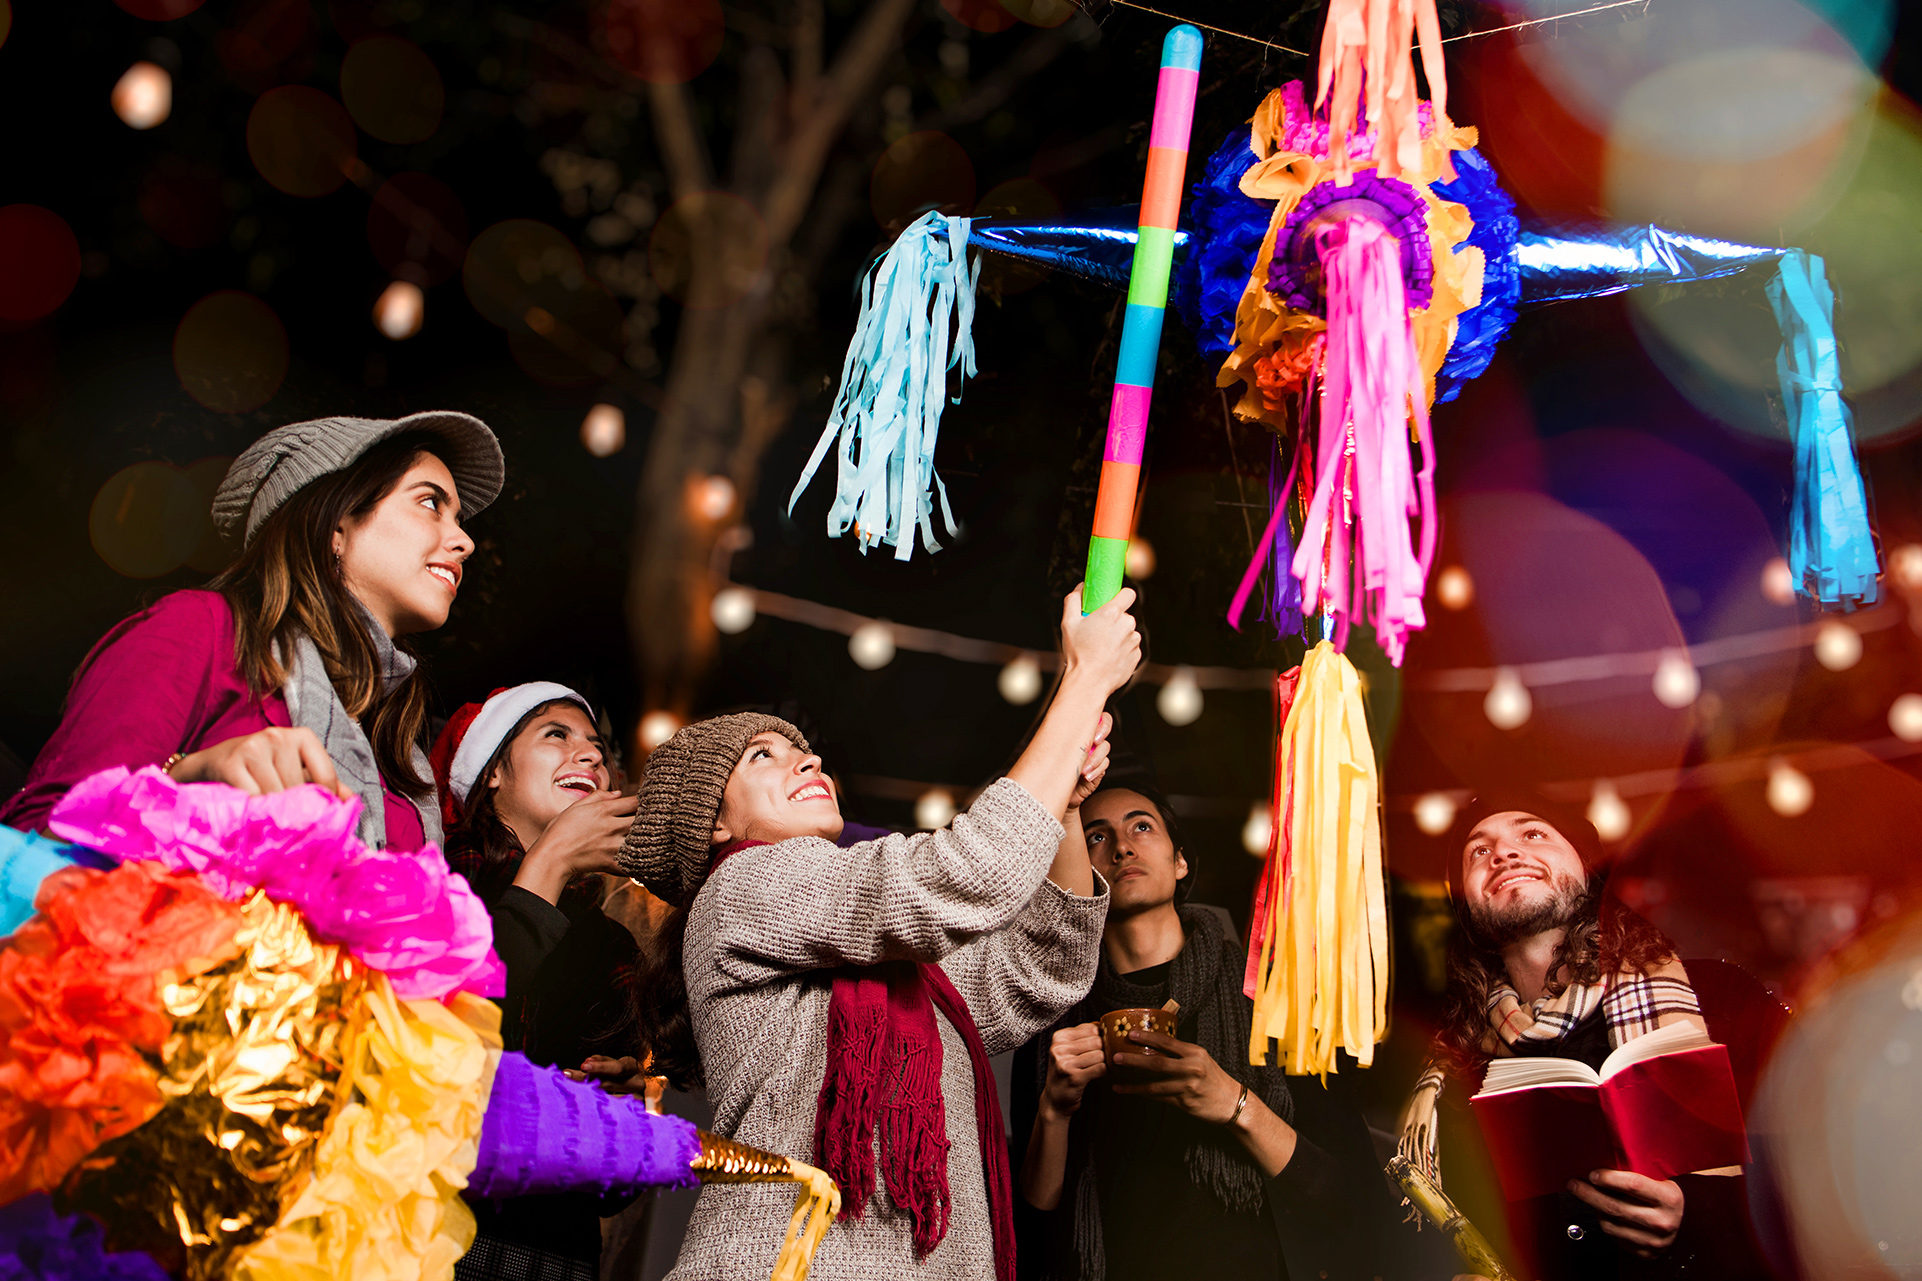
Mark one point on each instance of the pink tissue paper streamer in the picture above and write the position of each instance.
(404, 914)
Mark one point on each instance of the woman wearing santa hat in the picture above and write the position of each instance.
(531, 821)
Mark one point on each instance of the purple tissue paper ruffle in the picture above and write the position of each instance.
(38, 1245)
(1294, 274)
(545, 1133)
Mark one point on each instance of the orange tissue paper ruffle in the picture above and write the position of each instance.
(80, 1007)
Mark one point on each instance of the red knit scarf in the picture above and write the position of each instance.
(884, 1069)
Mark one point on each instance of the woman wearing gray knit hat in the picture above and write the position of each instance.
(291, 668)
(845, 1002)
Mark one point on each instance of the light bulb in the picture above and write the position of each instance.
(1140, 559)
(1789, 791)
(656, 728)
(1838, 646)
(143, 96)
(871, 646)
(1259, 831)
(1778, 583)
(713, 497)
(604, 431)
(732, 610)
(1180, 699)
(1508, 704)
(1905, 718)
(1676, 681)
(1454, 588)
(400, 309)
(1435, 812)
(1020, 681)
(934, 808)
(1905, 567)
(1608, 811)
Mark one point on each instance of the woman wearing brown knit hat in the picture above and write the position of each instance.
(846, 1001)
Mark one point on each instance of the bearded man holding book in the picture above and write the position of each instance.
(1610, 1077)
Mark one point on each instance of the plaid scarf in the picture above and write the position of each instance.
(1634, 1003)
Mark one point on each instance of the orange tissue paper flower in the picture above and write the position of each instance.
(80, 1008)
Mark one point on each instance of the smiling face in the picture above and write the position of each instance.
(1520, 876)
(1128, 843)
(402, 559)
(777, 791)
(551, 763)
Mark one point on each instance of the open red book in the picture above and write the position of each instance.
(1663, 1104)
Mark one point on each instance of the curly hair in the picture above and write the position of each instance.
(1603, 938)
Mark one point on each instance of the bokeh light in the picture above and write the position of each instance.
(1508, 704)
(1454, 588)
(417, 228)
(301, 140)
(656, 728)
(1435, 812)
(985, 16)
(664, 41)
(1789, 791)
(1838, 646)
(872, 646)
(1139, 561)
(934, 809)
(400, 310)
(392, 89)
(147, 519)
(708, 249)
(1020, 681)
(918, 172)
(604, 432)
(1905, 718)
(712, 498)
(1676, 682)
(39, 262)
(6, 21)
(1608, 811)
(1778, 582)
(563, 328)
(143, 96)
(160, 10)
(267, 43)
(180, 199)
(1905, 567)
(230, 352)
(211, 554)
(732, 610)
(1180, 701)
(1258, 830)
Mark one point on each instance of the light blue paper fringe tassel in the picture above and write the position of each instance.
(1831, 551)
(894, 386)
(26, 859)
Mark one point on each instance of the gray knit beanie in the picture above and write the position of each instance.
(668, 847)
(279, 464)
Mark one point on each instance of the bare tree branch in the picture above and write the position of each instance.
(683, 150)
(808, 20)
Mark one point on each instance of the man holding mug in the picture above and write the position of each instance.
(1174, 1152)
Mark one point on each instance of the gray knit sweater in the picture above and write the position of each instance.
(773, 918)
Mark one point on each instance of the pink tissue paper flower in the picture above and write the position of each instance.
(403, 913)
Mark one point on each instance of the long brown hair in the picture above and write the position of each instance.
(667, 1026)
(288, 581)
(1603, 938)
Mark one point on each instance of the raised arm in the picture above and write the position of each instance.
(1099, 654)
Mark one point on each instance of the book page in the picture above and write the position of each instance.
(1663, 1040)
(1532, 1070)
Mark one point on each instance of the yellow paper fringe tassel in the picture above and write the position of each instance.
(1322, 975)
(815, 1205)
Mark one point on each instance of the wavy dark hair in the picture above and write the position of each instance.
(564, 1020)
(287, 581)
(1603, 938)
(667, 1025)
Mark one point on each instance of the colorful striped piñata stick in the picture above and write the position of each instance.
(1134, 379)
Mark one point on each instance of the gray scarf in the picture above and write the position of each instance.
(313, 704)
(1206, 979)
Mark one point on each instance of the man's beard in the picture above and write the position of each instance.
(1498, 927)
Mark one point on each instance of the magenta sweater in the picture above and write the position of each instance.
(163, 681)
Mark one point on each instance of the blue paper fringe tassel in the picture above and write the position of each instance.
(894, 385)
(1831, 549)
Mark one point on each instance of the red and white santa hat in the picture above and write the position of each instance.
(475, 732)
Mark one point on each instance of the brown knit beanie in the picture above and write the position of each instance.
(668, 847)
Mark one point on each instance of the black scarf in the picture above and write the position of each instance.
(1206, 979)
